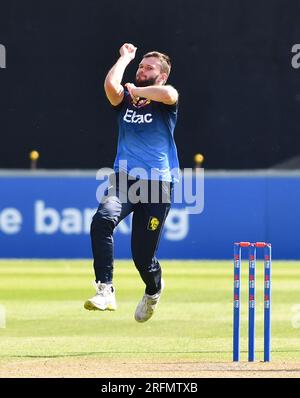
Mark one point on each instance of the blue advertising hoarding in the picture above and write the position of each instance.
(48, 215)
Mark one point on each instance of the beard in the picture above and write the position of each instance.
(145, 83)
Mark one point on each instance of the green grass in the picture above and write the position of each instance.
(45, 317)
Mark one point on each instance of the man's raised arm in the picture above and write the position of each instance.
(112, 85)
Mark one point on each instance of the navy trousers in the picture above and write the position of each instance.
(147, 225)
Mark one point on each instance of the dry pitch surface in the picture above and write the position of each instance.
(101, 368)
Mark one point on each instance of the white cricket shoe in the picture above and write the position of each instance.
(104, 299)
(147, 305)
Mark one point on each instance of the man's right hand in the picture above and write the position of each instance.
(128, 50)
(113, 81)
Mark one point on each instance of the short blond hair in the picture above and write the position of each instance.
(164, 59)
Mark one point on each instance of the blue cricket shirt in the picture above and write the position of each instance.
(146, 139)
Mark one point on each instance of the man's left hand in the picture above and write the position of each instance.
(131, 87)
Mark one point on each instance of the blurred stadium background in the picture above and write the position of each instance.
(238, 80)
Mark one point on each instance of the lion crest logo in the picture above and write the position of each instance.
(153, 223)
(140, 102)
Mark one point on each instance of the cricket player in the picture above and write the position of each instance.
(147, 114)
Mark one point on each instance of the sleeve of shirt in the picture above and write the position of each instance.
(172, 108)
